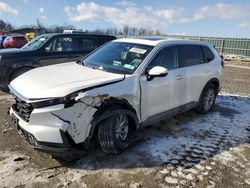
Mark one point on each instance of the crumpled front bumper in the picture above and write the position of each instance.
(59, 145)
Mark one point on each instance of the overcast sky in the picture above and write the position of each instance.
(190, 17)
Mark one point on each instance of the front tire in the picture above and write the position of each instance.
(113, 133)
(207, 99)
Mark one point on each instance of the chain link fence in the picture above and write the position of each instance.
(227, 46)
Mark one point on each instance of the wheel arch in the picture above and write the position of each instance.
(215, 82)
(14, 70)
(121, 106)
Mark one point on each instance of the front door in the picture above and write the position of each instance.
(162, 93)
(58, 50)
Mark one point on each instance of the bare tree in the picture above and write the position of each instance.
(157, 32)
(43, 28)
(133, 31)
(39, 24)
(125, 29)
(5, 26)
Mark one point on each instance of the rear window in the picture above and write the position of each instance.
(208, 55)
(19, 39)
(190, 55)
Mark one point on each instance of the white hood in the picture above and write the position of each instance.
(60, 80)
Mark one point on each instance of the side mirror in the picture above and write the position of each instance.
(47, 49)
(157, 71)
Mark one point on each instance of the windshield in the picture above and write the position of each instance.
(118, 57)
(35, 43)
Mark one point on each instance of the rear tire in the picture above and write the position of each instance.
(113, 133)
(207, 99)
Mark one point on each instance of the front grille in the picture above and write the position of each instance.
(23, 109)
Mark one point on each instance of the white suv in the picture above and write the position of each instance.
(122, 86)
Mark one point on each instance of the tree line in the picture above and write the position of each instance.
(125, 30)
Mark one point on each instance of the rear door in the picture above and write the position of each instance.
(195, 68)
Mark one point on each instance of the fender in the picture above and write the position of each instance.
(107, 115)
(25, 63)
(101, 115)
(13, 70)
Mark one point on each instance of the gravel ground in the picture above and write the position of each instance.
(236, 80)
(188, 150)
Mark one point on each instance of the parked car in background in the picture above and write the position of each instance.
(15, 41)
(2, 37)
(30, 35)
(3, 33)
(122, 86)
(45, 50)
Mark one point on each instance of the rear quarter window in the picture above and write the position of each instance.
(190, 55)
(208, 55)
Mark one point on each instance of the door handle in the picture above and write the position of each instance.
(178, 77)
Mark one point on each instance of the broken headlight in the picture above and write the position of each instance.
(68, 101)
(49, 102)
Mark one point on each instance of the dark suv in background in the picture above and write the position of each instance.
(45, 50)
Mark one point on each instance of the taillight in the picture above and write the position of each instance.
(222, 61)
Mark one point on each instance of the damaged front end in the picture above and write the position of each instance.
(60, 126)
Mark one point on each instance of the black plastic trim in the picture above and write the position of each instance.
(166, 114)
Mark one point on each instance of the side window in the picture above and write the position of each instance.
(7, 39)
(60, 44)
(165, 58)
(86, 44)
(208, 55)
(190, 55)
